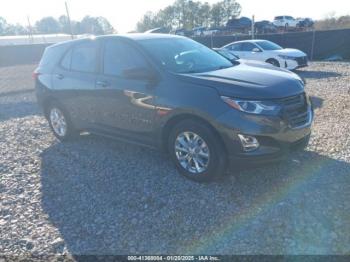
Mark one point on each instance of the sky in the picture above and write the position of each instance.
(124, 14)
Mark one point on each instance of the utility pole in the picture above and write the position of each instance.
(253, 27)
(69, 23)
(30, 33)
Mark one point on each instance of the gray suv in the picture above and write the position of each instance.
(172, 93)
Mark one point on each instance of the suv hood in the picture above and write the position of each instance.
(249, 82)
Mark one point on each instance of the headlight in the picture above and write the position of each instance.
(253, 107)
(286, 57)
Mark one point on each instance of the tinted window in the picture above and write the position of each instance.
(289, 17)
(51, 57)
(267, 45)
(236, 47)
(118, 56)
(227, 54)
(182, 55)
(279, 18)
(66, 61)
(84, 57)
(248, 47)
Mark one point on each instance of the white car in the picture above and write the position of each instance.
(285, 21)
(269, 52)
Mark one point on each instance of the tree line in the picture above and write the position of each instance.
(188, 14)
(333, 22)
(50, 25)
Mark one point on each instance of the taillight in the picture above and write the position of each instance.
(35, 75)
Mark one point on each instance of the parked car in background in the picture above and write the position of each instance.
(239, 25)
(236, 60)
(199, 31)
(182, 32)
(158, 30)
(174, 94)
(285, 21)
(267, 51)
(203, 31)
(265, 27)
(305, 23)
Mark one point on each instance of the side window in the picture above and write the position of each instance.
(236, 47)
(67, 59)
(248, 47)
(84, 57)
(119, 56)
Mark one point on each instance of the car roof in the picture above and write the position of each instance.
(247, 41)
(131, 36)
(140, 36)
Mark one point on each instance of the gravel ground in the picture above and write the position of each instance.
(94, 196)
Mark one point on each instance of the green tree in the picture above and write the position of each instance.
(16, 29)
(188, 14)
(95, 26)
(223, 11)
(231, 9)
(3, 26)
(48, 25)
(149, 20)
(216, 14)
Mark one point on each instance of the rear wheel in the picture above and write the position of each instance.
(197, 151)
(60, 123)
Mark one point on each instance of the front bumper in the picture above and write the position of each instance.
(292, 64)
(275, 136)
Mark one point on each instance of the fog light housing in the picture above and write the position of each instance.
(249, 143)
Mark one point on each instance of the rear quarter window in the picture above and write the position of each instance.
(50, 58)
(67, 59)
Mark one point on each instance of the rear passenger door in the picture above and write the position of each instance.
(74, 81)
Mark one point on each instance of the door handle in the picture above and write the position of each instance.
(59, 76)
(102, 83)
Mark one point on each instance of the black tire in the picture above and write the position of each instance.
(273, 62)
(70, 133)
(217, 162)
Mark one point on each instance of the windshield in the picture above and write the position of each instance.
(181, 55)
(227, 54)
(268, 46)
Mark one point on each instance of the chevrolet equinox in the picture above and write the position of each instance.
(172, 93)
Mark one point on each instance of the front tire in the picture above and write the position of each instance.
(60, 123)
(197, 151)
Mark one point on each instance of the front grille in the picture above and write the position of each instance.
(295, 110)
(301, 60)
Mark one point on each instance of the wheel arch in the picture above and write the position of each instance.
(272, 59)
(173, 121)
(50, 100)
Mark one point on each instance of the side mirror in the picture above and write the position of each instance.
(139, 73)
(256, 50)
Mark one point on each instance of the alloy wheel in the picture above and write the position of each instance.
(192, 152)
(58, 122)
